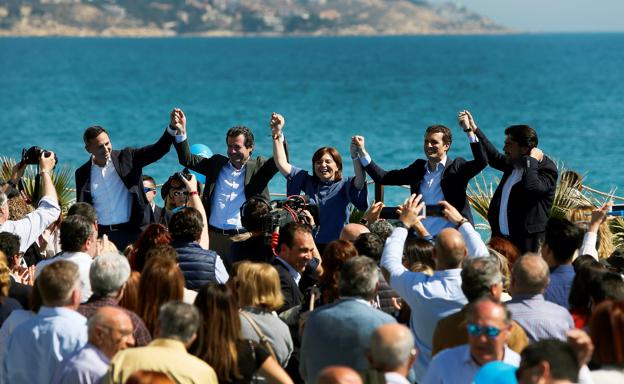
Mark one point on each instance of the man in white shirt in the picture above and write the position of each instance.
(111, 181)
(489, 324)
(32, 226)
(230, 181)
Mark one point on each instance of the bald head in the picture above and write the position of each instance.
(110, 330)
(529, 275)
(351, 231)
(392, 348)
(450, 249)
(336, 374)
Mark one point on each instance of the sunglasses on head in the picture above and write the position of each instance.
(477, 330)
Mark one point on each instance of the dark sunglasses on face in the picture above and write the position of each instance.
(179, 193)
(477, 330)
(146, 189)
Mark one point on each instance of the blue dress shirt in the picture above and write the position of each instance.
(37, 346)
(87, 366)
(558, 290)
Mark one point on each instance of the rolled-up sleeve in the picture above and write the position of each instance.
(32, 225)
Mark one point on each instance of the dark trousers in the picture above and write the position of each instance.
(121, 235)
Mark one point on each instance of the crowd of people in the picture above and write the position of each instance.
(223, 285)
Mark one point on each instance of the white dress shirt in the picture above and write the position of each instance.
(227, 198)
(513, 179)
(32, 225)
(83, 260)
(111, 198)
(456, 365)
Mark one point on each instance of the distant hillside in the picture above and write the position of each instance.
(237, 17)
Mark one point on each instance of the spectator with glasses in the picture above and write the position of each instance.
(161, 215)
(489, 325)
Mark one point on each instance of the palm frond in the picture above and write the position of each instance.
(617, 228)
(480, 194)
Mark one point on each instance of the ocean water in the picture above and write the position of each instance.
(389, 89)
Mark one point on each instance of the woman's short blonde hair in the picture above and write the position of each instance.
(258, 285)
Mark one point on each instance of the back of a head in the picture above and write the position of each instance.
(607, 332)
(83, 209)
(335, 374)
(369, 244)
(606, 286)
(358, 278)
(563, 238)
(586, 272)
(391, 347)
(382, 228)
(450, 249)
(258, 286)
(417, 250)
(505, 248)
(478, 275)
(57, 281)
(186, 225)
(161, 281)
(559, 356)
(178, 320)
(109, 272)
(9, 245)
(351, 231)
(75, 231)
(523, 135)
(252, 212)
(530, 275)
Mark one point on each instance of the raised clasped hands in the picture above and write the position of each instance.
(178, 121)
(277, 125)
(358, 146)
(466, 121)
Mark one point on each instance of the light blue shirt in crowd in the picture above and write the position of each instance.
(87, 366)
(38, 346)
(456, 365)
(539, 318)
(560, 285)
(431, 298)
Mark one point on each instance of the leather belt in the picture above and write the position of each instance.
(227, 232)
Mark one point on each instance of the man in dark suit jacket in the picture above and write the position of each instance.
(223, 190)
(437, 178)
(161, 214)
(121, 205)
(526, 190)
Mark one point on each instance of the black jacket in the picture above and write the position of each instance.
(128, 163)
(294, 293)
(457, 174)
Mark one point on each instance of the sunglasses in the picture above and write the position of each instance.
(179, 193)
(145, 189)
(477, 330)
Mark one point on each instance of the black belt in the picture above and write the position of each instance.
(112, 227)
(227, 232)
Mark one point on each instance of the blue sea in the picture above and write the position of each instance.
(569, 87)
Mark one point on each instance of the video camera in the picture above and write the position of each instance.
(287, 211)
(33, 154)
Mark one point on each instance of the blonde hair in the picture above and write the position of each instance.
(582, 215)
(258, 285)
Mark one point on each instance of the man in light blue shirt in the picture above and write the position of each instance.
(431, 298)
(110, 331)
(489, 325)
(37, 347)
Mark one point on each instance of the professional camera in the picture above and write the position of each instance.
(33, 154)
(286, 211)
(180, 175)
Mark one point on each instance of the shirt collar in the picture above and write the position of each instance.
(232, 168)
(293, 272)
(441, 163)
(109, 162)
(467, 358)
(358, 299)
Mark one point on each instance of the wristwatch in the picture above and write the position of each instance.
(461, 222)
(401, 224)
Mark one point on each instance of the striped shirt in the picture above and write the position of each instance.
(540, 319)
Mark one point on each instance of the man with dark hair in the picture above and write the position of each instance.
(255, 248)
(111, 181)
(606, 286)
(339, 333)
(9, 246)
(437, 178)
(481, 277)
(161, 214)
(78, 245)
(540, 319)
(521, 203)
(177, 329)
(562, 239)
(297, 262)
(84, 209)
(37, 347)
(199, 265)
(230, 181)
(548, 362)
(489, 324)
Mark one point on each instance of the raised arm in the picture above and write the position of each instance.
(495, 159)
(474, 243)
(195, 201)
(471, 168)
(185, 157)
(540, 174)
(279, 153)
(359, 181)
(380, 175)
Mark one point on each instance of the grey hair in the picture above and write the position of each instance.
(108, 273)
(3, 198)
(389, 356)
(178, 320)
(478, 275)
(359, 277)
(532, 278)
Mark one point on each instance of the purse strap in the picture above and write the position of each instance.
(263, 339)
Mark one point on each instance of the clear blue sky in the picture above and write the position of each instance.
(551, 15)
